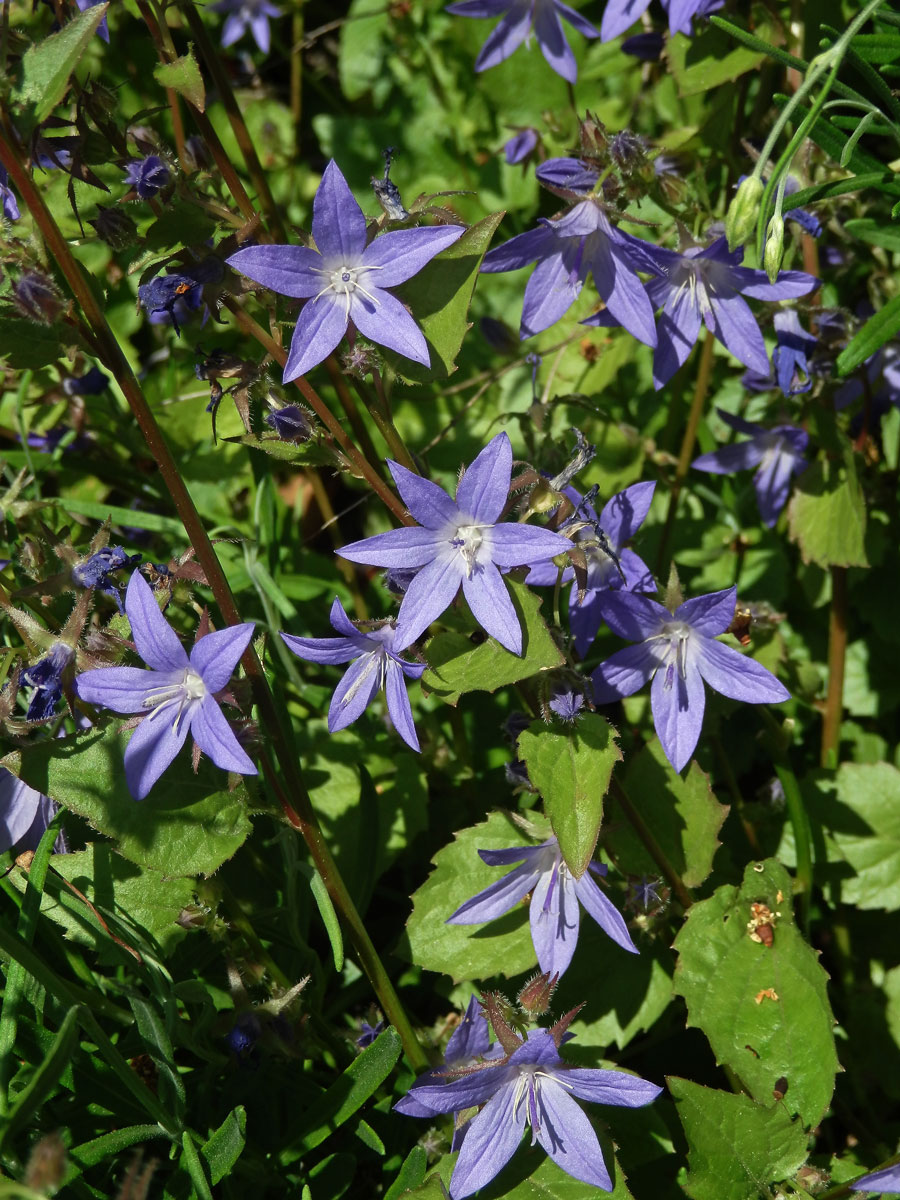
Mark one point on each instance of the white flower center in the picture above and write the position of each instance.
(674, 656)
(468, 539)
(183, 694)
(528, 1087)
(343, 280)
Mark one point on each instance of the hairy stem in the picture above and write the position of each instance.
(656, 852)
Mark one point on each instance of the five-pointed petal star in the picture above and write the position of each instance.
(518, 19)
(375, 665)
(459, 545)
(247, 14)
(344, 280)
(622, 14)
(678, 651)
(177, 693)
(555, 899)
(533, 1086)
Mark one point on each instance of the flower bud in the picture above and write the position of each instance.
(36, 297)
(535, 996)
(592, 135)
(740, 220)
(774, 251)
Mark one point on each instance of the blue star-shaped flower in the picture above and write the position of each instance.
(519, 17)
(247, 14)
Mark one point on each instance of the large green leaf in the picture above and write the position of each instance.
(571, 768)
(546, 1181)
(710, 58)
(764, 1008)
(501, 947)
(188, 825)
(439, 297)
(737, 1148)
(827, 514)
(876, 331)
(48, 64)
(226, 1145)
(456, 666)
(28, 346)
(681, 811)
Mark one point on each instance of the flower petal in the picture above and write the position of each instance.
(515, 545)
(259, 27)
(678, 711)
(623, 292)
(677, 328)
(625, 512)
(576, 20)
(772, 482)
(610, 1087)
(356, 690)
(123, 689)
(403, 253)
(151, 749)
(498, 898)
(410, 547)
(155, 639)
(19, 804)
(471, 1038)
(519, 251)
(426, 501)
(736, 675)
(491, 1140)
(568, 1136)
(215, 656)
(431, 592)
(216, 738)
(554, 917)
(466, 1091)
(552, 41)
(739, 457)
(634, 617)
(736, 328)
(320, 326)
(492, 608)
(710, 614)
(585, 618)
(551, 291)
(506, 37)
(623, 674)
(338, 224)
(398, 703)
(388, 323)
(330, 651)
(484, 488)
(788, 285)
(620, 15)
(288, 270)
(598, 905)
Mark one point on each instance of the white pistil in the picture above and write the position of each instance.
(468, 541)
(343, 280)
(677, 634)
(183, 694)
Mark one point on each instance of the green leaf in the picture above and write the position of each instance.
(354, 1087)
(456, 667)
(502, 947)
(180, 224)
(410, 1175)
(44, 1079)
(306, 453)
(27, 346)
(326, 912)
(439, 297)
(226, 1145)
(191, 1162)
(876, 331)
(158, 1044)
(550, 1182)
(571, 768)
(736, 1148)
(361, 56)
(48, 64)
(867, 229)
(827, 513)
(710, 58)
(88, 1154)
(184, 827)
(766, 1014)
(183, 76)
(682, 812)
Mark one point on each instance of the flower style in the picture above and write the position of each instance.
(678, 651)
(375, 666)
(343, 279)
(533, 1086)
(708, 285)
(566, 250)
(459, 545)
(518, 19)
(619, 521)
(247, 14)
(777, 453)
(177, 694)
(622, 14)
(8, 202)
(554, 908)
(147, 176)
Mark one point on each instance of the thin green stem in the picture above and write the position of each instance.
(357, 424)
(379, 409)
(837, 653)
(652, 846)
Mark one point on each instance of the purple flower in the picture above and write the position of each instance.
(807, 221)
(777, 453)
(566, 250)
(622, 14)
(103, 27)
(678, 651)
(344, 279)
(533, 1086)
(610, 566)
(8, 202)
(647, 46)
(566, 702)
(519, 147)
(291, 423)
(555, 899)
(46, 679)
(247, 14)
(95, 571)
(887, 1181)
(790, 358)
(459, 545)
(518, 19)
(375, 665)
(24, 814)
(646, 891)
(170, 299)
(708, 286)
(147, 176)
(177, 694)
(564, 175)
(93, 383)
(368, 1033)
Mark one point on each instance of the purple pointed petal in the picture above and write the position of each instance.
(398, 703)
(216, 738)
(491, 1140)
(678, 711)
(737, 676)
(677, 329)
(576, 20)
(549, 294)
(788, 285)
(597, 905)
(259, 27)
(233, 28)
(321, 325)
(465, 1092)
(726, 459)
(471, 1038)
(554, 916)
(330, 651)
(619, 16)
(610, 1087)
(355, 692)
(638, 576)
(887, 1180)
(516, 854)
(711, 614)
(634, 617)
(484, 488)
(514, 545)
(552, 41)
(624, 673)
(625, 512)
(492, 608)
(151, 749)
(426, 501)
(585, 618)
(388, 323)
(288, 270)
(520, 251)
(431, 592)
(737, 330)
(123, 689)
(19, 804)
(155, 639)
(497, 899)
(772, 483)
(623, 292)
(506, 37)
(215, 656)
(404, 253)
(478, 8)
(410, 547)
(338, 224)
(739, 423)
(568, 1136)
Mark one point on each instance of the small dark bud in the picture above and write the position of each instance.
(628, 151)
(92, 383)
(114, 227)
(535, 996)
(361, 361)
(36, 297)
(594, 141)
(291, 423)
(647, 47)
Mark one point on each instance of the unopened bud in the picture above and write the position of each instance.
(593, 137)
(543, 498)
(774, 251)
(36, 297)
(740, 220)
(535, 996)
